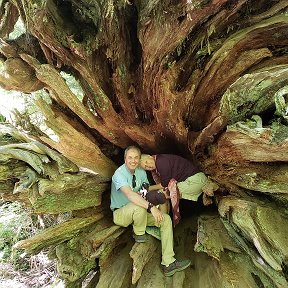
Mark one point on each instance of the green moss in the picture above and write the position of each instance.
(199, 4)
(252, 94)
(15, 225)
(101, 100)
(280, 132)
(277, 235)
(122, 72)
(89, 12)
(67, 201)
(72, 266)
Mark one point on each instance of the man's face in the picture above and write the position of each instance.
(132, 159)
(148, 163)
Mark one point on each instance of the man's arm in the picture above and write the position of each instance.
(134, 197)
(139, 201)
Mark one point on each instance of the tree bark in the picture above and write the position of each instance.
(203, 79)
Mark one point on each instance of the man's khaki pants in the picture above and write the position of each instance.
(139, 218)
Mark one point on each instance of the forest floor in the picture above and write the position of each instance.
(42, 273)
(18, 270)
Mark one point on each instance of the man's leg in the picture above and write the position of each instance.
(166, 231)
(170, 264)
(131, 214)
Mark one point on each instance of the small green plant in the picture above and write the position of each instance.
(2, 118)
(15, 225)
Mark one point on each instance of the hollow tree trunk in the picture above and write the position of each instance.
(203, 79)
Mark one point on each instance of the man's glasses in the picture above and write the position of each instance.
(133, 181)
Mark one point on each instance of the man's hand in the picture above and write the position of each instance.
(157, 214)
(138, 200)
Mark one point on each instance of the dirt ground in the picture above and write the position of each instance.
(41, 275)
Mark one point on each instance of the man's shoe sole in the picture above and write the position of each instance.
(171, 273)
(139, 241)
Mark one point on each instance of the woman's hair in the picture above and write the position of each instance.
(132, 147)
(144, 156)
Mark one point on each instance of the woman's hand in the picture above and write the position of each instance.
(166, 192)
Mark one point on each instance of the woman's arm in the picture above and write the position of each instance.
(160, 187)
(156, 187)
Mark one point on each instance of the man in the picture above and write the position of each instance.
(130, 208)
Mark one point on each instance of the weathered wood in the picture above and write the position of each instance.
(57, 234)
(141, 253)
(152, 275)
(19, 76)
(71, 265)
(254, 98)
(276, 235)
(218, 71)
(11, 169)
(118, 274)
(8, 16)
(233, 270)
(237, 146)
(111, 245)
(97, 237)
(75, 139)
(50, 181)
(64, 165)
(212, 237)
(203, 79)
(10, 134)
(62, 94)
(34, 160)
(275, 277)
(69, 192)
(265, 257)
